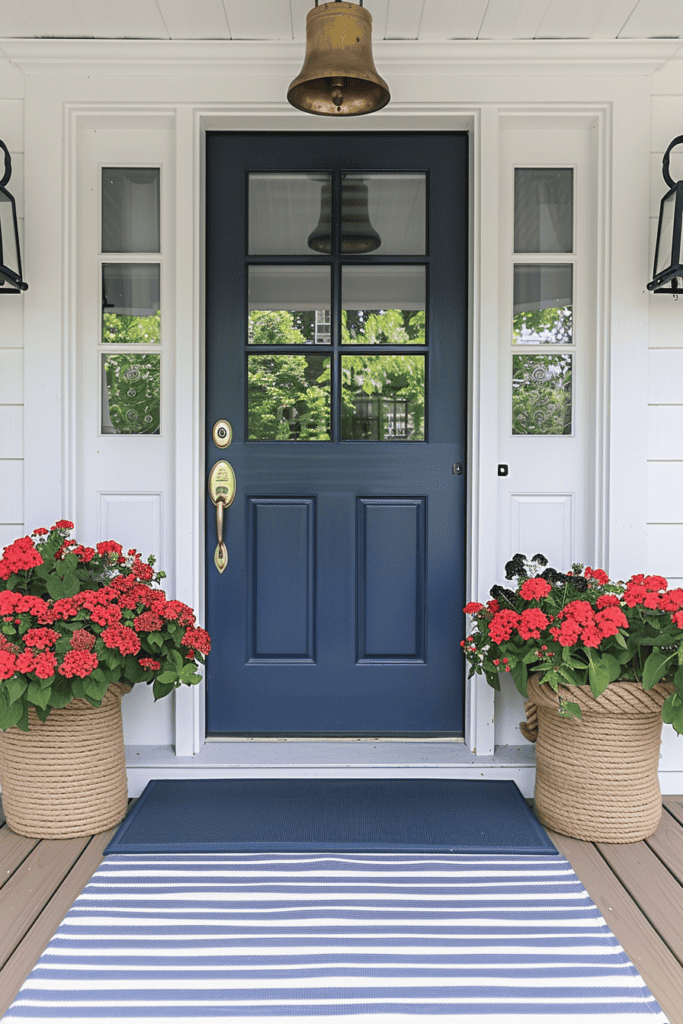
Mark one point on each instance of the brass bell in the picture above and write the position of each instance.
(357, 233)
(339, 75)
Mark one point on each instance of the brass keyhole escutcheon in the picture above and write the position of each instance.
(222, 487)
(222, 433)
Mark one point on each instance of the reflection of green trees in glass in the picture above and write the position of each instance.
(383, 327)
(546, 326)
(542, 394)
(289, 395)
(289, 398)
(133, 388)
(136, 330)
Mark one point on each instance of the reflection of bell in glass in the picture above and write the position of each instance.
(339, 75)
(357, 233)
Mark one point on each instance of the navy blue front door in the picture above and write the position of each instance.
(337, 350)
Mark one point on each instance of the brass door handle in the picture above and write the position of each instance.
(222, 487)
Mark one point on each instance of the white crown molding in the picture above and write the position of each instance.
(410, 57)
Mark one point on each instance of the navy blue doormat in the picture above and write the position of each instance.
(353, 815)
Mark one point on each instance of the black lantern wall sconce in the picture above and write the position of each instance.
(11, 280)
(667, 275)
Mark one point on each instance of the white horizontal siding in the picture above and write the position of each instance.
(11, 374)
(11, 432)
(11, 491)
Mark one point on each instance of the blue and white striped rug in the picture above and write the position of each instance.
(372, 937)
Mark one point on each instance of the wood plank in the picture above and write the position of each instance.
(652, 18)
(28, 952)
(674, 804)
(202, 19)
(657, 965)
(125, 19)
(613, 19)
(667, 843)
(14, 850)
(653, 888)
(519, 20)
(268, 19)
(403, 19)
(27, 892)
(47, 18)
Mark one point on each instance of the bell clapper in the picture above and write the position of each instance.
(336, 87)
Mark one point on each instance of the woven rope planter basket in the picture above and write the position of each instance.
(596, 779)
(66, 777)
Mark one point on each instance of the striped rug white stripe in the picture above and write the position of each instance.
(371, 937)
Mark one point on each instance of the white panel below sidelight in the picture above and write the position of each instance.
(134, 520)
(543, 524)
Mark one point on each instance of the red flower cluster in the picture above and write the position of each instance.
(502, 624)
(198, 639)
(122, 638)
(150, 664)
(18, 557)
(599, 575)
(82, 640)
(78, 663)
(41, 638)
(534, 589)
(472, 608)
(533, 621)
(580, 621)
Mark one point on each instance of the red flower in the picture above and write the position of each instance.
(18, 557)
(65, 608)
(178, 610)
(501, 625)
(41, 638)
(8, 664)
(605, 600)
(78, 663)
(45, 665)
(634, 594)
(534, 589)
(121, 637)
(25, 662)
(651, 600)
(149, 621)
(107, 615)
(40, 531)
(198, 638)
(150, 663)
(568, 633)
(82, 640)
(581, 611)
(612, 616)
(472, 608)
(599, 575)
(591, 636)
(63, 524)
(8, 600)
(493, 606)
(84, 554)
(672, 600)
(533, 621)
(109, 547)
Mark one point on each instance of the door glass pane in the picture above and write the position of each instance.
(544, 209)
(542, 394)
(385, 214)
(289, 305)
(284, 210)
(383, 305)
(130, 303)
(130, 209)
(131, 402)
(383, 398)
(542, 303)
(288, 397)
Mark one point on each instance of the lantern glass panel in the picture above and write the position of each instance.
(665, 256)
(8, 242)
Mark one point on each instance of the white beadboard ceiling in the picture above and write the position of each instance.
(435, 20)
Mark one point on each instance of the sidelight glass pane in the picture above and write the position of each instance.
(130, 209)
(289, 305)
(131, 402)
(542, 304)
(131, 303)
(383, 398)
(385, 214)
(284, 210)
(288, 397)
(544, 209)
(542, 394)
(383, 305)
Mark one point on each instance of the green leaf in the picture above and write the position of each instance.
(167, 678)
(176, 658)
(95, 688)
(43, 713)
(94, 701)
(59, 698)
(71, 585)
(655, 667)
(598, 674)
(492, 679)
(15, 687)
(680, 653)
(12, 716)
(519, 673)
(77, 687)
(38, 695)
(669, 710)
(677, 720)
(189, 675)
(613, 666)
(569, 709)
(155, 641)
(620, 639)
(55, 587)
(161, 689)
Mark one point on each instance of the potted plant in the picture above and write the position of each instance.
(79, 626)
(600, 665)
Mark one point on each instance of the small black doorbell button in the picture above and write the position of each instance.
(502, 469)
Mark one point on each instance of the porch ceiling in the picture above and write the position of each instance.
(433, 20)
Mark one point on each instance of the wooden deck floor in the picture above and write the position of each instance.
(638, 889)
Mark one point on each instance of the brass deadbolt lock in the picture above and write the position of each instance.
(222, 433)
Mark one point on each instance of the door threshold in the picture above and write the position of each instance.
(335, 739)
